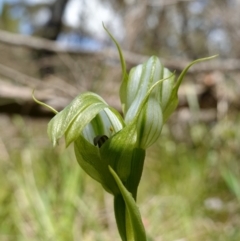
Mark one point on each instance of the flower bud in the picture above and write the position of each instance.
(136, 88)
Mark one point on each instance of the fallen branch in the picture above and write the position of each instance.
(130, 57)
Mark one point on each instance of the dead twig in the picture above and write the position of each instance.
(130, 57)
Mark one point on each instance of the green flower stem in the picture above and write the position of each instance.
(120, 213)
(136, 171)
(134, 227)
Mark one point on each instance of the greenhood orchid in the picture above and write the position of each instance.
(110, 147)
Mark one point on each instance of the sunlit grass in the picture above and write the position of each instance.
(189, 190)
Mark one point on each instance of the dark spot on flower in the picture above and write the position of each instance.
(99, 140)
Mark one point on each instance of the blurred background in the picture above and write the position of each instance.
(190, 189)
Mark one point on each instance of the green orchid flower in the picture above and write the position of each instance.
(111, 148)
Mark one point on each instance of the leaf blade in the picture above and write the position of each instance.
(134, 214)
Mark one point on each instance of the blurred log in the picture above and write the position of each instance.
(18, 100)
(16, 88)
(111, 53)
(16, 93)
(156, 3)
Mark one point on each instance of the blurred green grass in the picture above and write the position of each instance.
(190, 189)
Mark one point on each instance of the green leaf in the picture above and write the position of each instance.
(89, 159)
(118, 151)
(136, 225)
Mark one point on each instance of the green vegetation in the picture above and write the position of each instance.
(189, 189)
